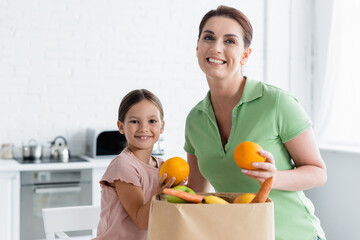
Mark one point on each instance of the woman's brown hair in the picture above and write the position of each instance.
(136, 96)
(224, 11)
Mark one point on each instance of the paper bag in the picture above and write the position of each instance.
(211, 221)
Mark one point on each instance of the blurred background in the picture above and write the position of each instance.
(66, 65)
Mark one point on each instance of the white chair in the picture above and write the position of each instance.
(57, 221)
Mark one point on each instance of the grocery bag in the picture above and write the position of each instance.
(175, 221)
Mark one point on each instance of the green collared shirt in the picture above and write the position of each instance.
(270, 117)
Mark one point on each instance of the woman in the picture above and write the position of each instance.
(238, 109)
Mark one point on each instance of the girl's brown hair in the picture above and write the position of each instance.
(224, 11)
(136, 96)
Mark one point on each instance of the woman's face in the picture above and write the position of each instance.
(220, 49)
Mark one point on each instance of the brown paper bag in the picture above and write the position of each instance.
(211, 221)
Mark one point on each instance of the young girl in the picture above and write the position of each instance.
(132, 178)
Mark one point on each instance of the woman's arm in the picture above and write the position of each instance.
(132, 199)
(196, 181)
(310, 169)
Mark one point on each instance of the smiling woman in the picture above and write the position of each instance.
(237, 109)
(221, 51)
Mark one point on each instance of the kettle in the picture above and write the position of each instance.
(59, 149)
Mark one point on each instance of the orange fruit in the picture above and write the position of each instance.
(244, 198)
(175, 167)
(246, 153)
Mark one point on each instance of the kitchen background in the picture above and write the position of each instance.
(65, 66)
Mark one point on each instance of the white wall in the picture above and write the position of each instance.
(289, 47)
(322, 22)
(65, 65)
(337, 202)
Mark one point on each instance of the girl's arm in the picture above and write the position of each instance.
(132, 199)
(310, 169)
(196, 181)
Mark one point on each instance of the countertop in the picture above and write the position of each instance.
(11, 165)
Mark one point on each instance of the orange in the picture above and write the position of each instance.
(175, 167)
(246, 153)
(244, 198)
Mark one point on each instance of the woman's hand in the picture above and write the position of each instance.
(265, 169)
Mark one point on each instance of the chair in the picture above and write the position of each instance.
(57, 221)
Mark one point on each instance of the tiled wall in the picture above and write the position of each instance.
(65, 65)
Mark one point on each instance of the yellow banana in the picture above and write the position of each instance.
(214, 200)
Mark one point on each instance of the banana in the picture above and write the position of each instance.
(214, 200)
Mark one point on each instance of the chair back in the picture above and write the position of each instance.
(57, 221)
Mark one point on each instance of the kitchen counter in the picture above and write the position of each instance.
(10, 179)
(12, 190)
(9, 165)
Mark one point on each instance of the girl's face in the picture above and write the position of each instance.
(220, 48)
(142, 126)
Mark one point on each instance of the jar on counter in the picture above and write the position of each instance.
(7, 151)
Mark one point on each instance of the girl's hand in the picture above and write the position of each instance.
(162, 184)
(265, 169)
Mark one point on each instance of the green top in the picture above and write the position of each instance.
(270, 117)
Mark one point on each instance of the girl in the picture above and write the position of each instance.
(132, 178)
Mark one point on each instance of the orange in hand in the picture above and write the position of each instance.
(246, 153)
(175, 167)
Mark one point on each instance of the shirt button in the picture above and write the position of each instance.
(234, 116)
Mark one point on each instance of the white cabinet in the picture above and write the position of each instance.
(96, 189)
(10, 189)
(10, 205)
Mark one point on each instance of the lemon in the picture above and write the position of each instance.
(244, 198)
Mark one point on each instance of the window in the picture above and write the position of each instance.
(337, 103)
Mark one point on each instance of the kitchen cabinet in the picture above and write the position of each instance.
(10, 205)
(10, 171)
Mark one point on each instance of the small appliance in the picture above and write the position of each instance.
(104, 143)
